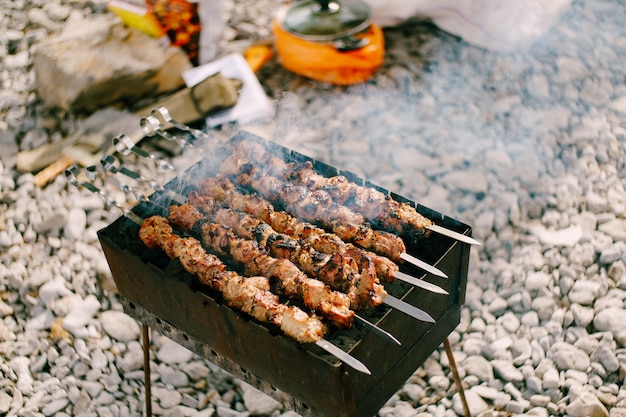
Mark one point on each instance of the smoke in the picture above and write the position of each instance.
(444, 123)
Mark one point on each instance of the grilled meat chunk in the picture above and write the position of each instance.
(250, 295)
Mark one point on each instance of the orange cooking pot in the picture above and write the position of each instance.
(329, 41)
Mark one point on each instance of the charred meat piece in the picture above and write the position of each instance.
(375, 206)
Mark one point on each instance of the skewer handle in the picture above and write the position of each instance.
(72, 174)
(151, 127)
(125, 146)
(113, 165)
(163, 116)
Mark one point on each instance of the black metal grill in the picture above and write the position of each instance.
(159, 293)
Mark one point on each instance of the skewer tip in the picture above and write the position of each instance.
(423, 265)
(408, 309)
(452, 234)
(378, 330)
(343, 356)
(420, 283)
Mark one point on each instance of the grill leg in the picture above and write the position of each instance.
(146, 368)
(455, 375)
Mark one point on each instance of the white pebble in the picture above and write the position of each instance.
(120, 326)
(510, 322)
(256, 402)
(537, 281)
(587, 405)
(506, 371)
(76, 224)
(172, 353)
(53, 289)
(479, 366)
(81, 314)
(475, 403)
(566, 356)
(551, 379)
(612, 320)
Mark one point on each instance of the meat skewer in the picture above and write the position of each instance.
(361, 286)
(338, 270)
(375, 206)
(250, 295)
(222, 239)
(72, 174)
(317, 206)
(225, 191)
(292, 282)
(362, 236)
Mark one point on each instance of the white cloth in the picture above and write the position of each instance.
(501, 25)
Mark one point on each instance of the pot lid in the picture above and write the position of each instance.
(321, 20)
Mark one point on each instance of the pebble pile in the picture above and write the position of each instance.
(529, 148)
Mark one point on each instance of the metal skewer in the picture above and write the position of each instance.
(92, 171)
(422, 265)
(377, 330)
(343, 356)
(113, 165)
(125, 145)
(452, 234)
(408, 309)
(72, 174)
(425, 285)
(163, 116)
(151, 126)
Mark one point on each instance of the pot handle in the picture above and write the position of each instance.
(328, 6)
(324, 5)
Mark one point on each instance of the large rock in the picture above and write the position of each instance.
(96, 62)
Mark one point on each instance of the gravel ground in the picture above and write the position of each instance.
(527, 147)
